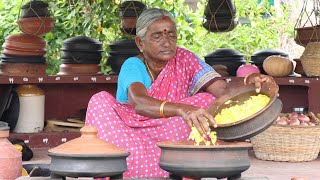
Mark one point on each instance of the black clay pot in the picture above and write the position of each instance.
(10, 114)
(35, 9)
(258, 57)
(220, 8)
(216, 24)
(34, 59)
(123, 45)
(116, 61)
(82, 43)
(82, 57)
(231, 58)
(131, 8)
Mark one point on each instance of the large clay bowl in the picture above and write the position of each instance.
(254, 124)
(25, 42)
(185, 159)
(36, 25)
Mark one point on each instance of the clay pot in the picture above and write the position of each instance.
(131, 8)
(36, 25)
(24, 42)
(305, 35)
(79, 69)
(35, 9)
(81, 57)
(225, 159)
(218, 24)
(32, 59)
(10, 158)
(12, 52)
(87, 156)
(82, 43)
(220, 8)
(128, 25)
(22, 69)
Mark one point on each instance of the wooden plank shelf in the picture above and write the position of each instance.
(56, 79)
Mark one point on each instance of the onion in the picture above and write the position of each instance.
(303, 118)
(247, 69)
(281, 122)
(295, 122)
(293, 114)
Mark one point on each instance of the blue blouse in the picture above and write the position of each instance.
(132, 70)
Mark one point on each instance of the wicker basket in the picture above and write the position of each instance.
(287, 143)
(310, 59)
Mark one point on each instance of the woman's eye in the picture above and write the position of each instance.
(157, 36)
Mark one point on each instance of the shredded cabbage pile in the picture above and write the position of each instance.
(238, 112)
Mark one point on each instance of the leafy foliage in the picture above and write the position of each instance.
(100, 20)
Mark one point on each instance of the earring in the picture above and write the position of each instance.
(141, 50)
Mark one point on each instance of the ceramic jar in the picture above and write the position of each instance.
(31, 115)
(10, 158)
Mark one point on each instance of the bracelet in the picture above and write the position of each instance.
(161, 109)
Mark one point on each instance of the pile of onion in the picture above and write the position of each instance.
(296, 119)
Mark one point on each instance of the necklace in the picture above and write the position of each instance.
(152, 78)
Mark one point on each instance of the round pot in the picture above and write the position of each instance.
(10, 158)
(116, 61)
(128, 25)
(123, 45)
(88, 156)
(36, 25)
(79, 69)
(34, 59)
(305, 35)
(11, 52)
(220, 8)
(223, 52)
(231, 64)
(24, 41)
(219, 161)
(82, 43)
(216, 24)
(35, 9)
(254, 124)
(82, 57)
(131, 8)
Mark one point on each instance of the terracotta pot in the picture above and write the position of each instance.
(36, 25)
(10, 158)
(128, 25)
(79, 69)
(88, 156)
(184, 159)
(305, 35)
(11, 52)
(22, 69)
(25, 42)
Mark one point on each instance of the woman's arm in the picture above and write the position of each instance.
(150, 107)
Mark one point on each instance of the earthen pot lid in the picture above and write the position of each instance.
(88, 144)
(25, 38)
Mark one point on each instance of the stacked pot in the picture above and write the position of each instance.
(120, 51)
(230, 58)
(258, 57)
(220, 16)
(23, 53)
(129, 12)
(80, 55)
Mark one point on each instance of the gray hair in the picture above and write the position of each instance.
(147, 17)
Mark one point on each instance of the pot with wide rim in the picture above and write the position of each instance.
(254, 124)
(226, 159)
(82, 43)
(82, 57)
(88, 156)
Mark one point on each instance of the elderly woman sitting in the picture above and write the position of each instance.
(161, 94)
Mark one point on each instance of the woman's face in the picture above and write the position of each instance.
(160, 41)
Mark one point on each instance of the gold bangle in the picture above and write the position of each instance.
(161, 109)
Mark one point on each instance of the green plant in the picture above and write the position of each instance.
(100, 19)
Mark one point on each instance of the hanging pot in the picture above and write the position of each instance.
(220, 24)
(220, 8)
(305, 35)
(128, 25)
(131, 8)
(35, 9)
(36, 25)
(88, 156)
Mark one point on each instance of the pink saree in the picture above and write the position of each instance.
(118, 123)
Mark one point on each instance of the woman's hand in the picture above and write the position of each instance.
(257, 79)
(199, 118)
